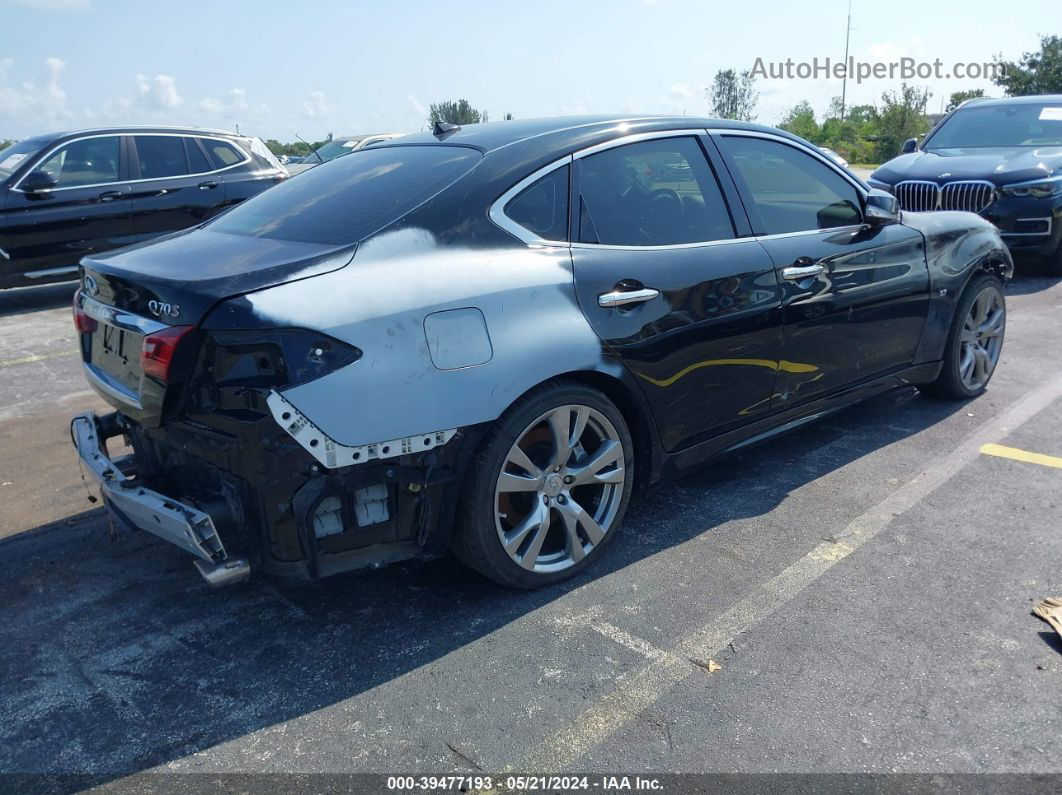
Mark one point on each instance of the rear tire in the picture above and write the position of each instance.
(975, 341)
(548, 487)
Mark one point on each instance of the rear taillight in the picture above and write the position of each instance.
(83, 321)
(160, 348)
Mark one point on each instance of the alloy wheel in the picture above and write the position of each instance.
(982, 338)
(559, 489)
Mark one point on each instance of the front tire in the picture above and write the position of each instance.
(975, 341)
(548, 488)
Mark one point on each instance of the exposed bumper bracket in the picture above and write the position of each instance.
(182, 525)
(333, 454)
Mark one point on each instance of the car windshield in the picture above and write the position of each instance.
(348, 199)
(11, 157)
(1000, 125)
(334, 149)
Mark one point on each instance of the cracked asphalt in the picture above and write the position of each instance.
(864, 585)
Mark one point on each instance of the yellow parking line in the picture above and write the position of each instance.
(1022, 455)
(37, 357)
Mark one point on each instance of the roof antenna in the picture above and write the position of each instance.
(442, 128)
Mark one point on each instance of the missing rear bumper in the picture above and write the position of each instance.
(182, 525)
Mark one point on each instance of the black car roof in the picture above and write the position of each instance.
(1033, 99)
(564, 130)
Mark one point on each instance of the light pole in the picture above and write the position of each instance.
(844, 80)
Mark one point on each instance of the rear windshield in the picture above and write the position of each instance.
(1017, 124)
(347, 199)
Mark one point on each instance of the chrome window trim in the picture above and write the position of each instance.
(636, 138)
(56, 147)
(853, 228)
(861, 188)
(497, 209)
(41, 274)
(667, 247)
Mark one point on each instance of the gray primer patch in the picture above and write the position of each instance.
(379, 304)
(457, 338)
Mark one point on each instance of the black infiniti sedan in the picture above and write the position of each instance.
(1001, 158)
(67, 195)
(482, 339)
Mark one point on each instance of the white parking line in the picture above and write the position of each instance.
(637, 692)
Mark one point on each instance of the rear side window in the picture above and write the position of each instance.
(197, 162)
(223, 153)
(351, 197)
(542, 207)
(654, 193)
(90, 161)
(161, 156)
(793, 191)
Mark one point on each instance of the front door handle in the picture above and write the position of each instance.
(208, 185)
(110, 195)
(797, 273)
(624, 297)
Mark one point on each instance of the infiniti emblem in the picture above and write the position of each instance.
(90, 286)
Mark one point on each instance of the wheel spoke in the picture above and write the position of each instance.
(609, 453)
(981, 365)
(520, 459)
(508, 482)
(993, 324)
(966, 363)
(536, 520)
(559, 422)
(594, 532)
(571, 527)
(539, 533)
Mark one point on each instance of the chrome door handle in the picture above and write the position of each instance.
(796, 273)
(624, 297)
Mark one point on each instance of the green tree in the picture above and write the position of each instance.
(733, 95)
(456, 112)
(800, 120)
(902, 116)
(1036, 73)
(960, 97)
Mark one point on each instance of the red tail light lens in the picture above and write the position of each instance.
(160, 349)
(83, 321)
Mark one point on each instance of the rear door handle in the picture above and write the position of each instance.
(624, 297)
(208, 185)
(110, 195)
(797, 273)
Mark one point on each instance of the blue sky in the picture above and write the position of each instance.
(281, 68)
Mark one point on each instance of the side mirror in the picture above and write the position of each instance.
(910, 145)
(39, 182)
(882, 208)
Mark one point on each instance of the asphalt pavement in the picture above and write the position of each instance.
(853, 597)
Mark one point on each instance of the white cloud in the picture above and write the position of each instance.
(314, 106)
(681, 91)
(159, 93)
(43, 104)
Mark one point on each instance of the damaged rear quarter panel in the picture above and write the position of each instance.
(379, 304)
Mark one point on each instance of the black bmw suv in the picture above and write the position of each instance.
(1001, 158)
(66, 195)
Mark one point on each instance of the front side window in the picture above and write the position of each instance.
(11, 157)
(161, 156)
(1017, 124)
(346, 200)
(90, 161)
(542, 207)
(793, 191)
(654, 193)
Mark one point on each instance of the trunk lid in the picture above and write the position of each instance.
(139, 291)
(178, 278)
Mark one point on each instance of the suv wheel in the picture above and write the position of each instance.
(548, 487)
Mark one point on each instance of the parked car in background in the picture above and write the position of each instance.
(338, 147)
(66, 195)
(1000, 158)
(836, 158)
(482, 339)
